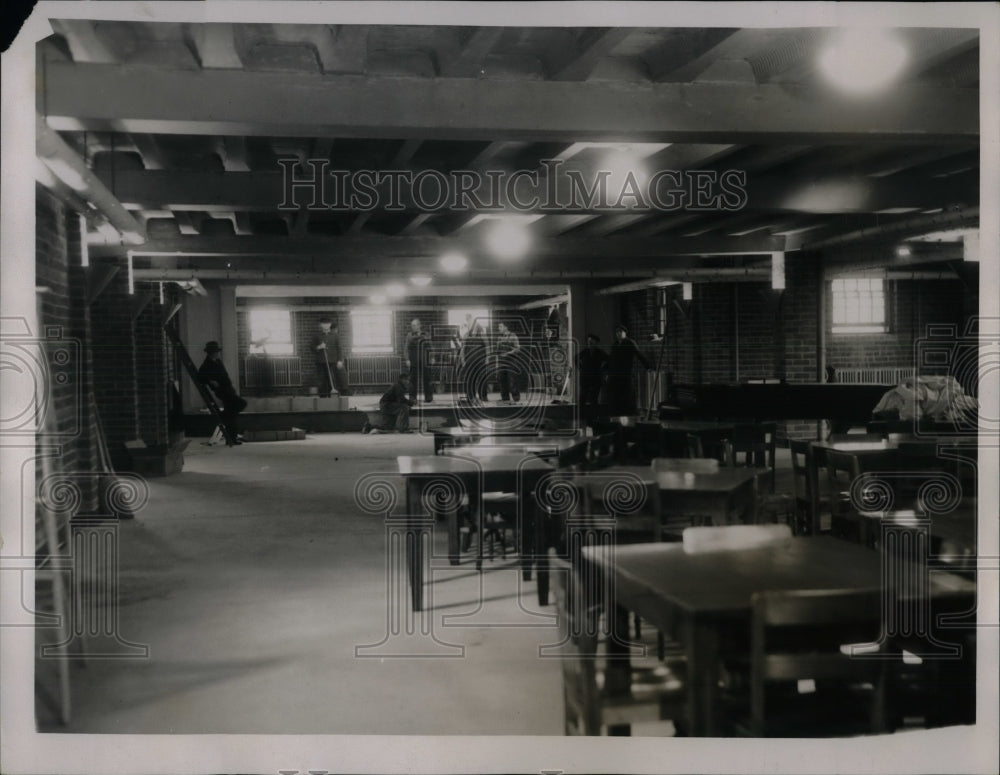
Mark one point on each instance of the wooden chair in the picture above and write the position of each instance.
(754, 447)
(803, 678)
(574, 457)
(712, 443)
(812, 501)
(633, 525)
(600, 696)
(604, 451)
(842, 469)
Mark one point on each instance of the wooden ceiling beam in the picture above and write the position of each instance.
(371, 248)
(468, 61)
(262, 191)
(84, 41)
(134, 99)
(214, 45)
(593, 46)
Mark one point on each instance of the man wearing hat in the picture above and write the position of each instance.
(621, 362)
(395, 407)
(213, 373)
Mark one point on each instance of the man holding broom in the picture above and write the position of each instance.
(329, 360)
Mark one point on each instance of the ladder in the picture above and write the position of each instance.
(206, 394)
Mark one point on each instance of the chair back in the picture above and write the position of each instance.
(810, 636)
(694, 465)
(698, 540)
(754, 447)
(603, 451)
(635, 506)
(714, 443)
(842, 468)
(805, 481)
(575, 456)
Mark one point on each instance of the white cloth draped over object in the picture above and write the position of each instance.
(940, 399)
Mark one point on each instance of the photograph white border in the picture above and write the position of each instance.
(962, 749)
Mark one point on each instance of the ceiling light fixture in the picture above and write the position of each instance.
(454, 262)
(421, 280)
(903, 251)
(508, 241)
(863, 61)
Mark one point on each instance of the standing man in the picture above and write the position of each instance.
(213, 373)
(591, 361)
(395, 407)
(329, 360)
(508, 372)
(474, 360)
(418, 361)
(621, 362)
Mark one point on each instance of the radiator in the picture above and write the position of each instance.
(874, 376)
(265, 371)
(372, 369)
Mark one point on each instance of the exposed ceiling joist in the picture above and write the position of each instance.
(467, 62)
(594, 45)
(259, 191)
(101, 97)
(215, 46)
(922, 224)
(67, 165)
(577, 249)
(357, 287)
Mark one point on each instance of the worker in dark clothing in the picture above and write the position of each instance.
(213, 373)
(620, 365)
(473, 353)
(419, 362)
(329, 359)
(591, 361)
(395, 407)
(508, 364)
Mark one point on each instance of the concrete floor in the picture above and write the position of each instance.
(252, 576)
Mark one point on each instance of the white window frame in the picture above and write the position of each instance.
(273, 346)
(360, 344)
(859, 305)
(456, 316)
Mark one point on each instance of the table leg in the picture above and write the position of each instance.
(476, 511)
(414, 546)
(454, 537)
(542, 556)
(527, 537)
(702, 649)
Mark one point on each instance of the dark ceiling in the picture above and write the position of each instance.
(186, 127)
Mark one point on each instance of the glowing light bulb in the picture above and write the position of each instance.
(863, 61)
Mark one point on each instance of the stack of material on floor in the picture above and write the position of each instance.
(940, 399)
(295, 434)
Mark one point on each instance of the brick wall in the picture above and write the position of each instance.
(913, 304)
(64, 330)
(114, 376)
(152, 375)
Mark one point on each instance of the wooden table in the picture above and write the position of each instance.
(541, 446)
(505, 472)
(955, 530)
(454, 437)
(714, 495)
(704, 599)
